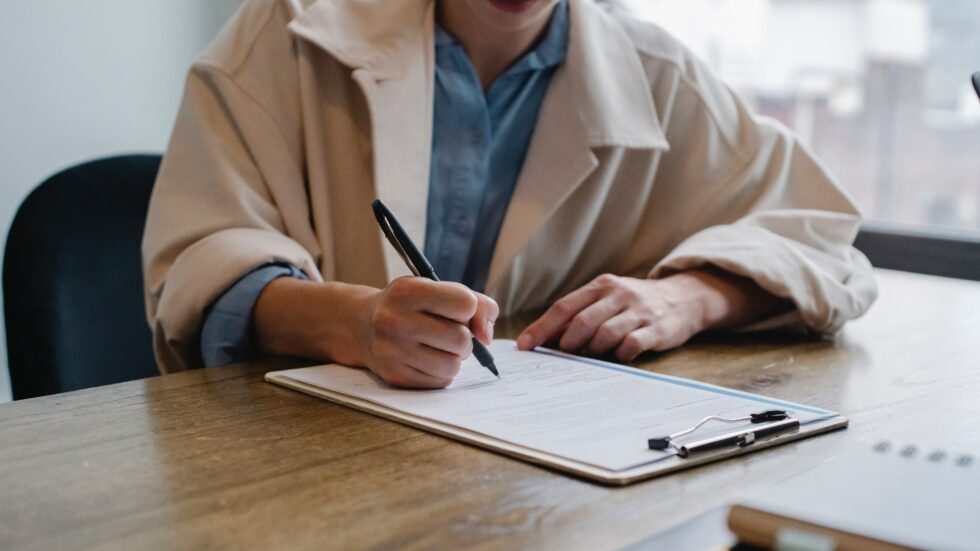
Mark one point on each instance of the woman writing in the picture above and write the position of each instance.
(548, 153)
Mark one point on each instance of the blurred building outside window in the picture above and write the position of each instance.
(878, 89)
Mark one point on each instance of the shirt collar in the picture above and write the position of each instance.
(550, 51)
(602, 79)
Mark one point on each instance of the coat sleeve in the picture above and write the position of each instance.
(230, 197)
(761, 206)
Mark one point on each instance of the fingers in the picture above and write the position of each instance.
(405, 376)
(416, 365)
(441, 298)
(452, 302)
(432, 362)
(481, 325)
(624, 314)
(636, 343)
(656, 337)
(443, 335)
(611, 333)
(420, 331)
(586, 323)
(556, 318)
(409, 328)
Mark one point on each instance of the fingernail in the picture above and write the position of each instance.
(490, 330)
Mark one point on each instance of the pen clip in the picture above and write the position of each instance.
(383, 215)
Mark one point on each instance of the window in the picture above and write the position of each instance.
(879, 89)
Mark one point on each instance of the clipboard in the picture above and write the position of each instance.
(657, 467)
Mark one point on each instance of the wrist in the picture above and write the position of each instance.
(726, 300)
(322, 321)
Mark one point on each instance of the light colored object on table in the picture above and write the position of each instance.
(880, 498)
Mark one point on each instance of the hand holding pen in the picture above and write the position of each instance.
(421, 329)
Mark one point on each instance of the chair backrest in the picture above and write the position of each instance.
(72, 279)
(920, 251)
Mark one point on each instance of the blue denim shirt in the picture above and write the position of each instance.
(479, 142)
(478, 147)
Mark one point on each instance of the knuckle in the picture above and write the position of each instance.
(462, 297)
(455, 286)
(452, 368)
(631, 294)
(582, 322)
(606, 280)
(399, 288)
(660, 325)
(605, 334)
(493, 309)
(469, 302)
(465, 344)
(562, 308)
(646, 315)
(458, 341)
(387, 322)
(460, 337)
(391, 376)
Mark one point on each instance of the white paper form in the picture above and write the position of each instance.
(585, 410)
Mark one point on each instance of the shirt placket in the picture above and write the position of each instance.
(469, 174)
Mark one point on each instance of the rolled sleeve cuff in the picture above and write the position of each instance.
(226, 335)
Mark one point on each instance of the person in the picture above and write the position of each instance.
(550, 154)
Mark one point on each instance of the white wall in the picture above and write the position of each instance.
(80, 80)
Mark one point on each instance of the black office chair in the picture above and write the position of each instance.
(72, 279)
(920, 251)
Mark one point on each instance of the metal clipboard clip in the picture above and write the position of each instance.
(778, 421)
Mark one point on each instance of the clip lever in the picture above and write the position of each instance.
(741, 438)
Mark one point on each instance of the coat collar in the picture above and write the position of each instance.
(366, 34)
(612, 100)
(611, 91)
(599, 98)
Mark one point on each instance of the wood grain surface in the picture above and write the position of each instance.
(217, 458)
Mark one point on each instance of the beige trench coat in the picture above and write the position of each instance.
(642, 164)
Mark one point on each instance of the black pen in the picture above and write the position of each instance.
(419, 266)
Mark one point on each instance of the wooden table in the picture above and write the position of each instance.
(218, 458)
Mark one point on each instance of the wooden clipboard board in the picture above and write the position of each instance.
(588, 471)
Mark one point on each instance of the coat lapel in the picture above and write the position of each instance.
(600, 97)
(559, 158)
(389, 46)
